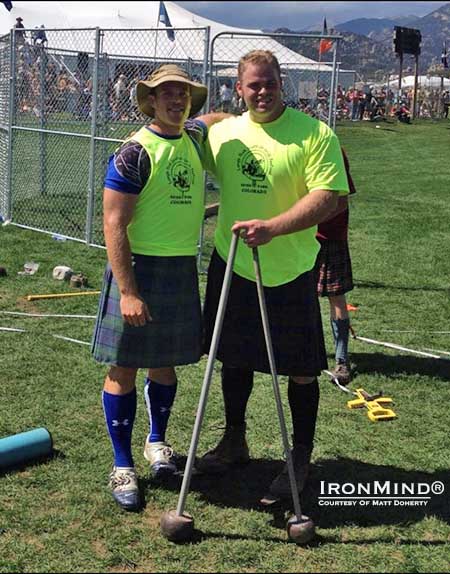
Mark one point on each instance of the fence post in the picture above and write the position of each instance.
(42, 122)
(331, 113)
(12, 105)
(206, 75)
(94, 108)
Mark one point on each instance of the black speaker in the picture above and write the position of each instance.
(407, 40)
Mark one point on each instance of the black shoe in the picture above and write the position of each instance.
(342, 373)
(280, 488)
(232, 450)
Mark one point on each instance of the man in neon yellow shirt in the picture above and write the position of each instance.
(149, 313)
(280, 173)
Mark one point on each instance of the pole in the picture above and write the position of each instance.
(226, 284)
(416, 79)
(92, 146)
(11, 120)
(42, 121)
(156, 36)
(206, 74)
(318, 73)
(275, 385)
(332, 99)
(400, 77)
(386, 104)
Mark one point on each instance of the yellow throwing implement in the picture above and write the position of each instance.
(58, 295)
(374, 405)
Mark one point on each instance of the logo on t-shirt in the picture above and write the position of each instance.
(255, 164)
(180, 175)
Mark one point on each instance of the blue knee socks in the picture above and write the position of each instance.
(159, 400)
(341, 328)
(120, 411)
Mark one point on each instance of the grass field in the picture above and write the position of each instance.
(58, 516)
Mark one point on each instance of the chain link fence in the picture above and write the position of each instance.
(308, 85)
(68, 99)
(5, 56)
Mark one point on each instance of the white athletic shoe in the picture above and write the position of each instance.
(161, 457)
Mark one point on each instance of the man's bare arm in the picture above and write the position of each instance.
(342, 205)
(308, 211)
(118, 209)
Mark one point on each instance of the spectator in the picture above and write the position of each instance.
(226, 96)
(446, 103)
(334, 277)
(121, 97)
(39, 36)
(19, 31)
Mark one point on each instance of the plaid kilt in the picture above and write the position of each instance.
(169, 286)
(294, 318)
(333, 268)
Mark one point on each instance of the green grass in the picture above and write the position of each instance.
(57, 515)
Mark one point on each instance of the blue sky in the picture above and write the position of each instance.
(302, 15)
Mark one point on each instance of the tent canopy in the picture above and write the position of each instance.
(142, 15)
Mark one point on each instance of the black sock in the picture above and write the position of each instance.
(304, 404)
(237, 385)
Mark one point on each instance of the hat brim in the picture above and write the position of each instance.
(199, 93)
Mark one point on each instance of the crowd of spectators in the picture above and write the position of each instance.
(70, 91)
(378, 103)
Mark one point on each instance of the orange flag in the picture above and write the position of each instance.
(325, 44)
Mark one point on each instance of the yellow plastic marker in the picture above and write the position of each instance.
(58, 295)
(374, 405)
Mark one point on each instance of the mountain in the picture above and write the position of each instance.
(366, 26)
(356, 52)
(372, 26)
(367, 43)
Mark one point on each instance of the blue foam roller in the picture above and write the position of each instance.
(25, 446)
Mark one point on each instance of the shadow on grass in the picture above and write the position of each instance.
(242, 488)
(400, 365)
(379, 285)
(21, 466)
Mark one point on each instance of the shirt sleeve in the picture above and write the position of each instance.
(128, 169)
(324, 168)
(198, 132)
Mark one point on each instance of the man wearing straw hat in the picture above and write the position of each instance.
(149, 312)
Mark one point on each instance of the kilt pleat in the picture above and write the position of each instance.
(333, 268)
(294, 319)
(169, 285)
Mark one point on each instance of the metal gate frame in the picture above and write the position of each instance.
(202, 35)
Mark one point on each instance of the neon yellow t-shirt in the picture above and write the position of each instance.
(262, 171)
(169, 211)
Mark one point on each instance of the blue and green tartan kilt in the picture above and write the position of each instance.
(294, 318)
(169, 286)
(333, 268)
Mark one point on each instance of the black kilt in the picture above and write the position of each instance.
(333, 268)
(169, 285)
(294, 319)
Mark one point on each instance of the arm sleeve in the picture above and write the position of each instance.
(198, 132)
(128, 169)
(324, 166)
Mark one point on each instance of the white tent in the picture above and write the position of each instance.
(424, 82)
(142, 15)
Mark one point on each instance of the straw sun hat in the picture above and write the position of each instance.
(169, 73)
